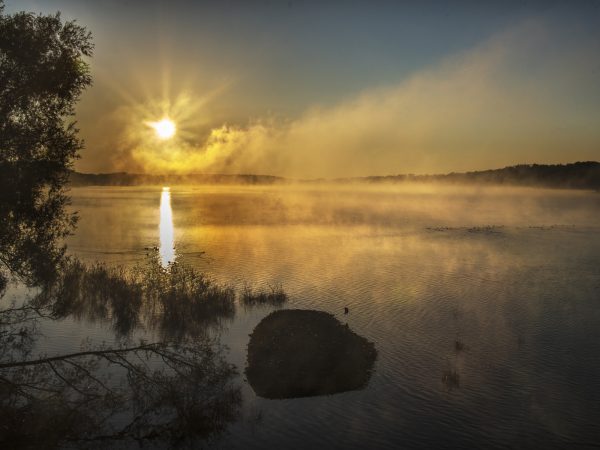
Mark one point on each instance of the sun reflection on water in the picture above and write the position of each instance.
(166, 229)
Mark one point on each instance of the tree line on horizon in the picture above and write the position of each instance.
(578, 175)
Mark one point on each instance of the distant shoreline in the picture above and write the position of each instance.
(578, 175)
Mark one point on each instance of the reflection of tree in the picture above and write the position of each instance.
(69, 397)
(173, 389)
(33, 220)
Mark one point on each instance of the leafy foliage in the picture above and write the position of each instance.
(42, 75)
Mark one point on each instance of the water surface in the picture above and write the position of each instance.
(483, 303)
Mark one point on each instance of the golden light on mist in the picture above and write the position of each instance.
(165, 128)
(162, 135)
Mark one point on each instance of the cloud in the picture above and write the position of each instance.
(526, 95)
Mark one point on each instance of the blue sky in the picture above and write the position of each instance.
(274, 84)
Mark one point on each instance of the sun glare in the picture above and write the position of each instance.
(165, 128)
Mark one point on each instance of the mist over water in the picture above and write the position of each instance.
(377, 231)
(481, 302)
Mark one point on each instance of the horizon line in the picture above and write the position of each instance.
(589, 162)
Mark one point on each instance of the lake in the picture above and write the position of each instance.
(483, 303)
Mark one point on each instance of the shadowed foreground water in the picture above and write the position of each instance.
(482, 303)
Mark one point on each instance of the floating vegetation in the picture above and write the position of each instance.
(491, 229)
(496, 229)
(302, 353)
(551, 227)
(442, 228)
(488, 229)
(274, 296)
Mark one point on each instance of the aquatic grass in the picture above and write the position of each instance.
(182, 286)
(486, 229)
(176, 299)
(273, 296)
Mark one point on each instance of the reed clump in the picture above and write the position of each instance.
(173, 299)
(272, 296)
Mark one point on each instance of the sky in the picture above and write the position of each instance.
(334, 89)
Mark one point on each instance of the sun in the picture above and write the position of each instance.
(165, 128)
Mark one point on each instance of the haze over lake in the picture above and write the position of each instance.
(299, 224)
(482, 303)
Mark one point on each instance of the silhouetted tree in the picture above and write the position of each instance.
(42, 75)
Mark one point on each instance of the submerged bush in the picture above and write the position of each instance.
(302, 353)
(274, 296)
(176, 300)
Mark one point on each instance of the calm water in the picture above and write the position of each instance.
(511, 274)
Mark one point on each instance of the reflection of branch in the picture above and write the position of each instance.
(23, 309)
(18, 387)
(89, 374)
(190, 396)
(20, 315)
(104, 353)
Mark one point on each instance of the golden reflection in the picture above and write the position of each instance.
(166, 229)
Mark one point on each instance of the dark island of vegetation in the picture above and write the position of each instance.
(303, 353)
